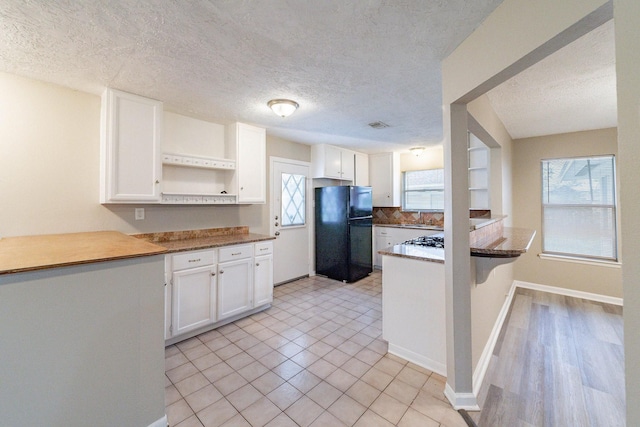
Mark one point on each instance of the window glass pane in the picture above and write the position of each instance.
(423, 189)
(293, 199)
(579, 212)
(578, 181)
(584, 231)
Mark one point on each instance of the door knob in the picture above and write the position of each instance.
(276, 217)
(277, 233)
(277, 223)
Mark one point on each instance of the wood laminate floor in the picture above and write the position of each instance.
(559, 361)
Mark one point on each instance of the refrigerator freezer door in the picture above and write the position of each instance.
(360, 202)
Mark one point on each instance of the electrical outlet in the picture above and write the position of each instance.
(139, 214)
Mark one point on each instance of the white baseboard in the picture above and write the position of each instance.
(420, 360)
(485, 357)
(162, 422)
(467, 401)
(570, 292)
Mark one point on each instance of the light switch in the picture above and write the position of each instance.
(139, 214)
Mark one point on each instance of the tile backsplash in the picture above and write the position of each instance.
(396, 215)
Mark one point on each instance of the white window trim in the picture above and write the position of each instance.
(580, 260)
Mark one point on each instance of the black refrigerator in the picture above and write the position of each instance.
(343, 216)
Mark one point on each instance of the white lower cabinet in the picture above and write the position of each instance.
(389, 236)
(234, 288)
(208, 288)
(263, 274)
(193, 299)
(191, 295)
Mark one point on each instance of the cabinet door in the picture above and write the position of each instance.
(384, 178)
(361, 174)
(193, 299)
(263, 280)
(382, 240)
(235, 293)
(131, 165)
(347, 170)
(332, 162)
(251, 164)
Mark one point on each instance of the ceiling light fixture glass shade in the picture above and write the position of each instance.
(417, 151)
(283, 107)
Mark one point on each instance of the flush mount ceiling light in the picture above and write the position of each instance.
(417, 151)
(283, 107)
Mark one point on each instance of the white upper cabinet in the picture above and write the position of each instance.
(328, 161)
(384, 178)
(130, 148)
(248, 145)
(361, 174)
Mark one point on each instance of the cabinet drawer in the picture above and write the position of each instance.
(232, 253)
(383, 231)
(264, 248)
(193, 259)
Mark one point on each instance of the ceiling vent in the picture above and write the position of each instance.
(378, 125)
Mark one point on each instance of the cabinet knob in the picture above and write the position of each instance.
(213, 274)
(221, 271)
(257, 264)
(157, 181)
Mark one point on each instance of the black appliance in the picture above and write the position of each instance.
(343, 216)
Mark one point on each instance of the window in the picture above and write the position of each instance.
(423, 190)
(579, 208)
(293, 199)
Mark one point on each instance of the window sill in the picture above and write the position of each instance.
(577, 260)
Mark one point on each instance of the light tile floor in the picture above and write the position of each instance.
(315, 358)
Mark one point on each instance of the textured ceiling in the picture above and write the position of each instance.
(346, 62)
(572, 90)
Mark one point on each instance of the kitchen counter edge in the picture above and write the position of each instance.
(513, 243)
(42, 252)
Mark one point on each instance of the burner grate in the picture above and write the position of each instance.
(431, 241)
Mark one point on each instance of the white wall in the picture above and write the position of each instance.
(430, 158)
(49, 170)
(527, 193)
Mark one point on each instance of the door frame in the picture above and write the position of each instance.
(309, 205)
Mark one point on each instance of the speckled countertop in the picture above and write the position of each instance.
(507, 243)
(30, 253)
(179, 241)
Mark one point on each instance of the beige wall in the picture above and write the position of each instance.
(488, 298)
(49, 169)
(528, 212)
(627, 22)
(507, 42)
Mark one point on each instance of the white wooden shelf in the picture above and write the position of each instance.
(199, 199)
(198, 161)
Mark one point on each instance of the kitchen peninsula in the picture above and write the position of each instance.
(413, 288)
(82, 342)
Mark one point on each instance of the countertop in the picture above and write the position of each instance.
(179, 241)
(512, 243)
(30, 253)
